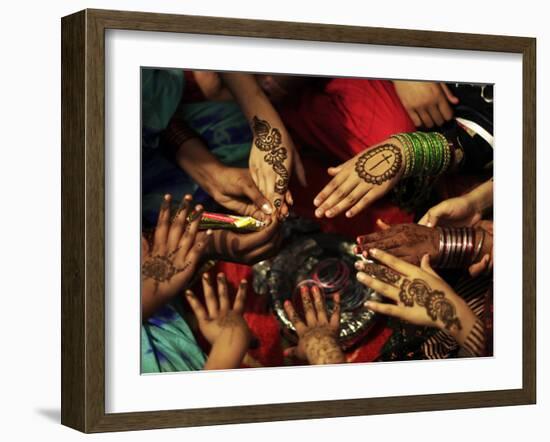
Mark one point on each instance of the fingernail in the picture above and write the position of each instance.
(316, 202)
(189, 293)
(318, 213)
(349, 213)
(266, 208)
(358, 265)
(373, 252)
(221, 276)
(290, 200)
(167, 197)
(365, 254)
(328, 213)
(205, 275)
(428, 224)
(368, 304)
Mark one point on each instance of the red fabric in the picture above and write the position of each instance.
(340, 120)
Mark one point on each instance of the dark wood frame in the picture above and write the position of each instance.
(83, 217)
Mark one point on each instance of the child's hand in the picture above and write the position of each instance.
(318, 336)
(223, 326)
(362, 180)
(177, 248)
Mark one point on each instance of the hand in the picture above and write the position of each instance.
(459, 212)
(271, 160)
(318, 336)
(485, 264)
(233, 188)
(418, 294)
(427, 103)
(409, 242)
(223, 326)
(246, 248)
(177, 249)
(361, 180)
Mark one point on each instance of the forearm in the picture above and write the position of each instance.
(252, 100)
(471, 335)
(197, 161)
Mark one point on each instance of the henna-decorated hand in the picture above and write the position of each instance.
(223, 326)
(318, 336)
(271, 160)
(427, 103)
(360, 181)
(418, 294)
(409, 242)
(176, 251)
(246, 248)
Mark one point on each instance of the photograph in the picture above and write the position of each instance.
(293, 220)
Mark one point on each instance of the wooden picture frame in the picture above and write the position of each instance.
(83, 220)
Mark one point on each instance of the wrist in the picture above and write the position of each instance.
(466, 318)
(203, 167)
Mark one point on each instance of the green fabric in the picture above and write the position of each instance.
(167, 344)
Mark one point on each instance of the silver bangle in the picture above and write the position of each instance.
(479, 246)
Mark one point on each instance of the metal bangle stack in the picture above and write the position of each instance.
(459, 247)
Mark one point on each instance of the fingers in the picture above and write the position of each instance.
(188, 237)
(307, 304)
(144, 247)
(348, 202)
(384, 309)
(383, 288)
(446, 110)
(394, 263)
(435, 114)
(448, 94)
(294, 318)
(196, 306)
(426, 118)
(223, 294)
(253, 193)
(320, 307)
(292, 353)
(330, 188)
(202, 242)
(480, 267)
(414, 117)
(240, 297)
(335, 315)
(426, 266)
(163, 224)
(336, 196)
(209, 296)
(179, 223)
(254, 240)
(363, 203)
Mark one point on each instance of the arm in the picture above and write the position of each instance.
(273, 154)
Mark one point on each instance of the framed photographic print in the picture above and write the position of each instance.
(266, 221)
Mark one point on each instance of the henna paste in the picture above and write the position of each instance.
(434, 301)
(269, 140)
(380, 164)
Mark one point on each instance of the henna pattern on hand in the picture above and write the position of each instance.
(434, 301)
(383, 273)
(321, 346)
(161, 268)
(269, 140)
(380, 164)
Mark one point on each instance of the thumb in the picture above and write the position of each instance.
(293, 353)
(431, 218)
(254, 194)
(335, 170)
(382, 225)
(299, 169)
(450, 96)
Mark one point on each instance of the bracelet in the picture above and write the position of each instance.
(456, 247)
(479, 246)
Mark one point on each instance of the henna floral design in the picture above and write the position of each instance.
(381, 272)
(380, 164)
(160, 268)
(269, 140)
(434, 301)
